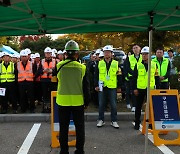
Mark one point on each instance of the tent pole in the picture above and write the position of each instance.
(148, 90)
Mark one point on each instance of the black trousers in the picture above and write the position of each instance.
(164, 85)
(46, 91)
(65, 113)
(37, 91)
(9, 95)
(140, 100)
(26, 92)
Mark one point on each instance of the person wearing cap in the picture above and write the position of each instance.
(37, 67)
(140, 82)
(25, 82)
(8, 75)
(164, 68)
(72, 97)
(48, 63)
(107, 83)
(129, 65)
(101, 55)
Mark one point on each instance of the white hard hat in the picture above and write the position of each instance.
(108, 48)
(47, 49)
(1, 54)
(28, 51)
(101, 54)
(59, 52)
(53, 54)
(64, 51)
(5, 54)
(145, 49)
(14, 56)
(54, 50)
(32, 56)
(37, 55)
(98, 51)
(23, 53)
(94, 55)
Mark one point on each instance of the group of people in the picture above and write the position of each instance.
(27, 79)
(106, 76)
(133, 76)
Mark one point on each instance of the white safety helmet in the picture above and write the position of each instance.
(54, 50)
(14, 55)
(33, 56)
(37, 55)
(23, 53)
(145, 49)
(47, 49)
(1, 54)
(98, 51)
(53, 55)
(101, 54)
(59, 52)
(28, 51)
(64, 51)
(5, 54)
(71, 46)
(108, 48)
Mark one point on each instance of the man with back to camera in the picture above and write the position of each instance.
(72, 97)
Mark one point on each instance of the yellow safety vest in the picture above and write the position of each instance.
(142, 80)
(7, 75)
(109, 78)
(70, 88)
(133, 61)
(162, 69)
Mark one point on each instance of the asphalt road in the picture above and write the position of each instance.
(105, 140)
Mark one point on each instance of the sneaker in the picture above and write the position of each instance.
(100, 123)
(114, 124)
(128, 106)
(133, 109)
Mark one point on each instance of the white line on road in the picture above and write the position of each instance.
(163, 148)
(29, 139)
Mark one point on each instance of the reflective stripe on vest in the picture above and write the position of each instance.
(109, 78)
(162, 69)
(45, 66)
(25, 74)
(142, 80)
(70, 88)
(7, 75)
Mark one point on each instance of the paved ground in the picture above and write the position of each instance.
(106, 140)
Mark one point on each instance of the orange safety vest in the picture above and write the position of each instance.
(25, 74)
(45, 66)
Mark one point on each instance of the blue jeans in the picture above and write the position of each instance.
(111, 95)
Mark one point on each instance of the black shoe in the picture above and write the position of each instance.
(136, 127)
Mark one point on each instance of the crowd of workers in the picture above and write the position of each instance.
(28, 79)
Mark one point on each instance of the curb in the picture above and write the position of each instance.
(45, 117)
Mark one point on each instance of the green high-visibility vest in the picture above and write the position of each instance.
(70, 88)
(133, 61)
(142, 80)
(109, 78)
(7, 75)
(162, 69)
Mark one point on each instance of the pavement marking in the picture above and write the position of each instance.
(162, 147)
(29, 139)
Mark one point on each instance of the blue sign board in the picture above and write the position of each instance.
(166, 112)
